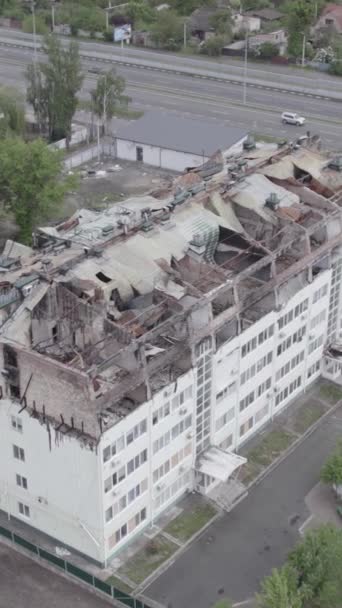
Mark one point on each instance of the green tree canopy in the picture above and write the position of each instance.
(31, 182)
(53, 87)
(12, 112)
(280, 590)
(332, 470)
(300, 15)
(167, 30)
(108, 96)
(222, 23)
(317, 561)
(267, 50)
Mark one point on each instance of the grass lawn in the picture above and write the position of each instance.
(223, 604)
(148, 559)
(270, 447)
(266, 138)
(187, 524)
(330, 393)
(119, 584)
(307, 415)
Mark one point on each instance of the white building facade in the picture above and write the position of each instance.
(97, 499)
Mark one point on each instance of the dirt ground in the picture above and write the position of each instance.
(108, 182)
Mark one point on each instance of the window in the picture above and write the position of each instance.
(256, 368)
(114, 448)
(14, 391)
(226, 443)
(314, 369)
(318, 319)
(246, 426)
(17, 424)
(136, 431)
(316, 344)
(54, 334)
(263, 387)
(161, 413)
(21, 481)
(228, 390)
(109, 514)
(320, 293)
(291, 364)
(18, 453)
(248, 347)
(119, 475)
(223, 420)
(121, 533)
(246, 401)
(288, 390)
(261, 414)
(23, 509)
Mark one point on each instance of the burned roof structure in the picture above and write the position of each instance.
(109, 305)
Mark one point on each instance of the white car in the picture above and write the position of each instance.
(291, 118)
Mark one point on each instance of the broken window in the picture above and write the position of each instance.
(54, 334)
(10, 356)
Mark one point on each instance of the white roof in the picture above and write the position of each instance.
(219, 464)
(255, 189)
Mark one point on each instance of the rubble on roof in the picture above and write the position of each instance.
(116, 299)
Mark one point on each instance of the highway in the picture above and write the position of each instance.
(202, 97)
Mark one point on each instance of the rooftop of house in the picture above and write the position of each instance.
(117, 298)
(334, 11)
(265, 14)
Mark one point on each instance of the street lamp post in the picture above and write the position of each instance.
(303, 50)
(185, 34)
(245, 71)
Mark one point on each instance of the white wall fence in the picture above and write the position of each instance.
(79, 135)
(81, 157)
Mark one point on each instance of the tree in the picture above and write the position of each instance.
(139, 11)
(213, 46)
(221, 22)
(336, 65)
(53, 87)
(12, 111)
(332, 470)
(31, 182)
(280, 590)
(300, 15)
(317, 561)
(268, 50)
(108, 96)
(167, 30)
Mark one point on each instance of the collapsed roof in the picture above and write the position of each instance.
(116, 299)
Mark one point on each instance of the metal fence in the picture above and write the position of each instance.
(66, 566)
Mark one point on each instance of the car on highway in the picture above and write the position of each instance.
(291, 118)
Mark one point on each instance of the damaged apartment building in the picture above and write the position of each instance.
(141, 346)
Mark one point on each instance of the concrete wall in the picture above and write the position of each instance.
(62, 482)
(158, 157)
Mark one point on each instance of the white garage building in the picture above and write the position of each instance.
(173, 142)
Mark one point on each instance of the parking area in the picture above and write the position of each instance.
(242, 547)
(26, 584)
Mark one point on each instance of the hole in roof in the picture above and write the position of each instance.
(103, 277)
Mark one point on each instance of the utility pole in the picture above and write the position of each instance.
(53, 15)
(303, 50)
(34, 31)
(105, 105)
(245, 71)
(185, 34)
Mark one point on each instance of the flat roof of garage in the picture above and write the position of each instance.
(182, 134)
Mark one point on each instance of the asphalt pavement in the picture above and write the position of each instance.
(242, 547)
(216, 101)
(26, 584)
